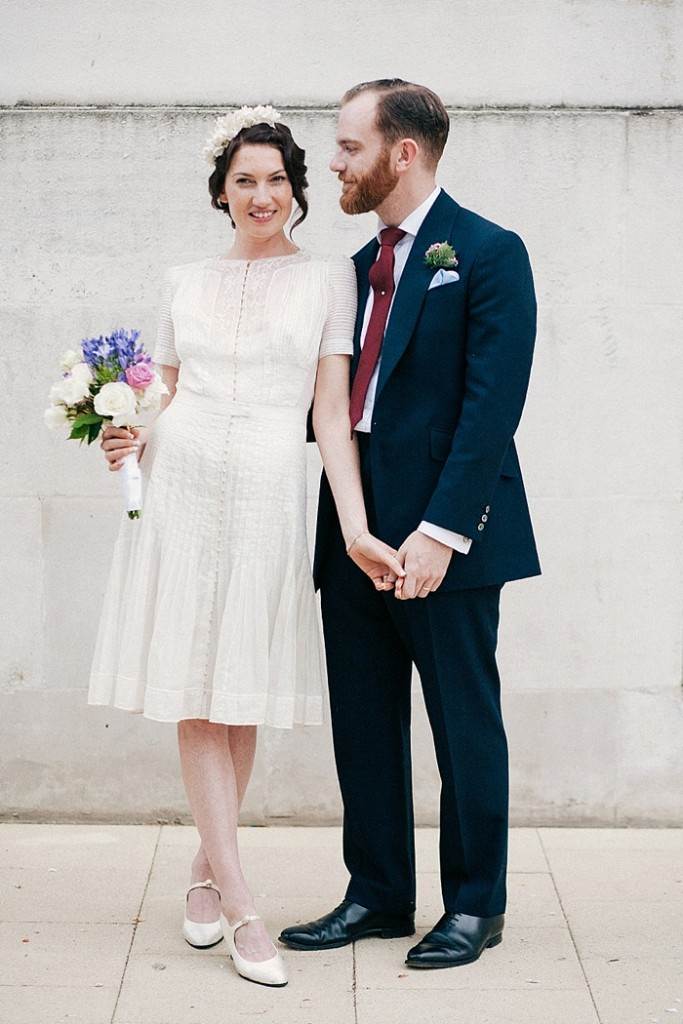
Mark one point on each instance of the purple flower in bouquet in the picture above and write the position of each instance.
(109, 357)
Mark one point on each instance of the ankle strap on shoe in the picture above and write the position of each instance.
(206, 884)
(245, 920)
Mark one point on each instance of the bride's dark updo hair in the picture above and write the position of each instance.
(293, 157)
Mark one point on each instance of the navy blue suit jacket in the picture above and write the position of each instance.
(454, 373)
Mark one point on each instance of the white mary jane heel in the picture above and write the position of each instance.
(263, 972)
(202, 935)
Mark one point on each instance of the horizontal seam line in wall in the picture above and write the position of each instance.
(333, 108)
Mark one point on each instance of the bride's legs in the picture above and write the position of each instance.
(210, 773)
(203, 904)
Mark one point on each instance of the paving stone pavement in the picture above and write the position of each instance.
(90, 932)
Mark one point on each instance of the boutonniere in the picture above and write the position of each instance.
(441, 256)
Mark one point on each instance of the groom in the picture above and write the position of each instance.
(443, 349)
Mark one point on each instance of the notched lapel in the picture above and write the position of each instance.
(412, 288)
(410, 294)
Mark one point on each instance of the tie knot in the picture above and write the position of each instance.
(390, 236)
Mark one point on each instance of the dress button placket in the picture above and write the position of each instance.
(223, 474)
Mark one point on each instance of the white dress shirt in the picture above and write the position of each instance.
(411, 225)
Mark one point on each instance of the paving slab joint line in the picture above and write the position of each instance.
(354, 983)
(569, 928)
(135, 924)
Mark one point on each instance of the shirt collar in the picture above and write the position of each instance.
(413, 222)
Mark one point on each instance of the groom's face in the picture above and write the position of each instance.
(363, 161)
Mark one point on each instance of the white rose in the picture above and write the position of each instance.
(150, 398)
(69, 391)
(70, 358)
(55, 417)
(118, 401)
(81, 371)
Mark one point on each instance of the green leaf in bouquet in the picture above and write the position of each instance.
(107, 373)
(87, 418)
(94, 431)
(78, 431)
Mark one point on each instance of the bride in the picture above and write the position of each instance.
(209, 618)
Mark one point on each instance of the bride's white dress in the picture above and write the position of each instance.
(209, 610)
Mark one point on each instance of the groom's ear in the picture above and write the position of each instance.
(407, 153)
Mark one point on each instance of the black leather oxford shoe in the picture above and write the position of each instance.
(346, 923)
(456, 939)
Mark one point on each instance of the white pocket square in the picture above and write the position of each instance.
(443, 277)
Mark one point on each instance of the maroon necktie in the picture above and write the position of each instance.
(381, 278)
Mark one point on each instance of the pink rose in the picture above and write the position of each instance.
(140, 375)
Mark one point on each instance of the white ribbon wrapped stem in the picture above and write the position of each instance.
(131, 481)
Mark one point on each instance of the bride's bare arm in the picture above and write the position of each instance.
(339, 453)
(117, 442)
(340, 457)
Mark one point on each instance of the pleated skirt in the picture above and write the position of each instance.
(209, 609)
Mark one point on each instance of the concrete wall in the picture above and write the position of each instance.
(566, 126)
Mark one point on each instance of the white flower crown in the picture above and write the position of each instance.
(227, 127)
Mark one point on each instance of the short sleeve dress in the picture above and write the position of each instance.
(209, 610)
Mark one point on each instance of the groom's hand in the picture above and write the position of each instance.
(425, 561)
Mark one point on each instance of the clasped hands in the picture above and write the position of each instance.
(415, 570)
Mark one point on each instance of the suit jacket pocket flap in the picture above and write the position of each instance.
(440, 442)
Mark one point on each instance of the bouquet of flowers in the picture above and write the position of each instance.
(111, 380)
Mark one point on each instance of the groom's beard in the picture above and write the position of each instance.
(368, 192)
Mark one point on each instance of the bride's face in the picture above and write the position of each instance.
(258, 191)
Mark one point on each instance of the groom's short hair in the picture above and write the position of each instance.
(406, 110)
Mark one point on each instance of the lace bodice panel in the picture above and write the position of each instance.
(253, 331)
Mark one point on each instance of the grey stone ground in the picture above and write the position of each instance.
(90, 918)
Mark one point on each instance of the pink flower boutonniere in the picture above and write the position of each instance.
(441, 256)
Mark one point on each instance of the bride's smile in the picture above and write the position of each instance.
(259, 193)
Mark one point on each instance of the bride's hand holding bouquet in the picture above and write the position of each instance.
(110, 381)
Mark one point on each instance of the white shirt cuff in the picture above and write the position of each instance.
(453, 540)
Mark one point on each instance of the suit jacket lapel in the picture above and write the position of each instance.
(363, 259)
(413, 284)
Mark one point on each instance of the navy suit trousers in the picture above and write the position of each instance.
(372, 641)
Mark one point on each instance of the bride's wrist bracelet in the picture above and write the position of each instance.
(358, 535)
